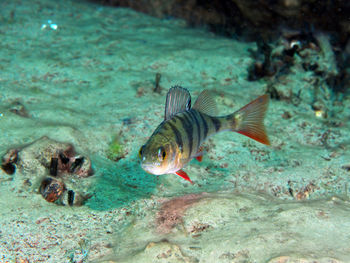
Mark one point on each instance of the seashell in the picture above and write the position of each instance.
(53, 167)
(9, 160)
(81, 166)
(76, 165)
(52, 189)
(9, 168)
(64, 159)
(72, 198)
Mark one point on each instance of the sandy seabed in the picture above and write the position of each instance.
(83, 74)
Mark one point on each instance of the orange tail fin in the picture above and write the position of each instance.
(249, 120)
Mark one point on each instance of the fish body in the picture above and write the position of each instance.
(178, 139)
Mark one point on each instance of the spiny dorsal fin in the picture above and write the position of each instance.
(206, 103)
(178, 100)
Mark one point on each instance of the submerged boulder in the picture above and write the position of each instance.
(249, 16)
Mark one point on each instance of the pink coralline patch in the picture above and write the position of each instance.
(172, 211)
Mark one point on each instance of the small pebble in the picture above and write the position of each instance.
(286, 115)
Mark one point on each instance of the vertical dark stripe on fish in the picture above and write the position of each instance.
(216, 123)
(200, 125)
(190, 121)
(177, 136)
(187, 125)
(159, 129)
(205, 124)
(193, 113)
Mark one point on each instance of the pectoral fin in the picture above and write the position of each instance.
(199, 155)
(199, 158)
(183, 175)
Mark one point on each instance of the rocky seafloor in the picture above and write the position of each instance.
(82, 88)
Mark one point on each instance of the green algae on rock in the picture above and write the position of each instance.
(115, 150)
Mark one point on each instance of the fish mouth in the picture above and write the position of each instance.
(147, 167)
(150, 168)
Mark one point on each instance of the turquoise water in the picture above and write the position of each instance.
(84, 74)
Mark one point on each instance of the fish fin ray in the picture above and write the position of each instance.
(184, 175)
(249, 120)
(205, 103)
(178, 99)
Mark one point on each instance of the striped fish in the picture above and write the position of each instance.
(178, 139)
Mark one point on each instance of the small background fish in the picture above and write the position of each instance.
(178, 139)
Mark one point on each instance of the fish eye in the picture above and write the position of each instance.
(161, 154)
(141, 150)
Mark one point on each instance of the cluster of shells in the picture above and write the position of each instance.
(50, 168)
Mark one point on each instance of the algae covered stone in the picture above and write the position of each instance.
(115, 151)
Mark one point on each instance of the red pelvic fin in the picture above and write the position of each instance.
(184, 175)
(251, 122)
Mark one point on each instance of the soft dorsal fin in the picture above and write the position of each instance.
(206, 103)
(178, 100)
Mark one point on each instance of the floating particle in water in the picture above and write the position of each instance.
(320, 114)
(49, 25)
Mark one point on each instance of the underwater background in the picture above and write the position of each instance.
(83, 86)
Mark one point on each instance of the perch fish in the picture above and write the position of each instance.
(178, 139)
